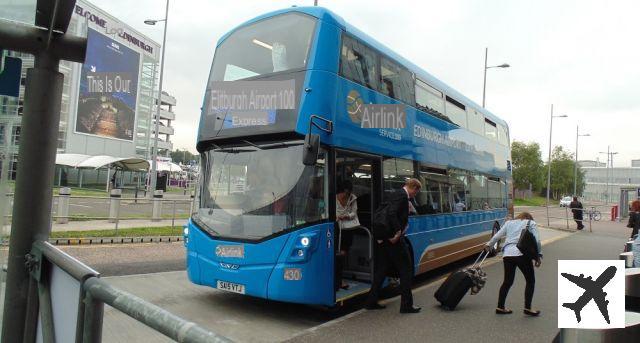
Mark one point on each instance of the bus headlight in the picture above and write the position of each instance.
(304, 241)
(185, 234)
(303, 247)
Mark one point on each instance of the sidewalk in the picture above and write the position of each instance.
(105, 225)
(474, 320)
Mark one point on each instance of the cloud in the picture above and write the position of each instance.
(581, 56)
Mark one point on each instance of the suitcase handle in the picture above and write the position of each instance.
(483, 252)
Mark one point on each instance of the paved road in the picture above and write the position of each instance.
(241, 318)
(127, 259)
(248, 319)
(476, 313)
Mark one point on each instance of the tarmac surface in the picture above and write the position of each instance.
(246, 319)
(474, 319)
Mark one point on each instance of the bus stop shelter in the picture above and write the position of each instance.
(80, 161)
(627, 195)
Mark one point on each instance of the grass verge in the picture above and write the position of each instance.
(129, 232)
(535, 201)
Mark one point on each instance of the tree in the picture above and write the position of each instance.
(182, 156)
(562, 170)
(528, 168)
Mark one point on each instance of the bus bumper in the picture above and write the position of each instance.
(296, 267)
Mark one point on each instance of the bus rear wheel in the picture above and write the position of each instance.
(496, 247)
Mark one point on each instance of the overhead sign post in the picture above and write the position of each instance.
(49, 44)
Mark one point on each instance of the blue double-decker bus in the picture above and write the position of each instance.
(265, 223)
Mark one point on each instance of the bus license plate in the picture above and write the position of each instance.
(230, 287)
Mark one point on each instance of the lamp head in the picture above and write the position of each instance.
(504, 65)
(150, 22)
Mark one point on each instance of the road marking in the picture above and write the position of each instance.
(487, 263)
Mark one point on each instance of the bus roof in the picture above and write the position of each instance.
(330, 17)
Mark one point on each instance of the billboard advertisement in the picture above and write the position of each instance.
(108, 89)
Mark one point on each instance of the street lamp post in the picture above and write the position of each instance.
(549, 160)
(609, 162)
(484, 86)
(154, 156)
(575, 167)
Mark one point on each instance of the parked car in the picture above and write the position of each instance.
(566, 201)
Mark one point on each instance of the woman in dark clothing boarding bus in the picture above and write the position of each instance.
(634, 218)
(512, 257)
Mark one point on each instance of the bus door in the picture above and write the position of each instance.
(361, 173)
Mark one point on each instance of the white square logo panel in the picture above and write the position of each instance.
(591, 294)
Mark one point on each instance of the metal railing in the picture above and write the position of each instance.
(590, 214)
(45, 260)
(114, 208)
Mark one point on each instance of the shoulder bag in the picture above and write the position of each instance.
(527, 243)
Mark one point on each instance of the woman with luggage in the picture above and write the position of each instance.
(513, 257)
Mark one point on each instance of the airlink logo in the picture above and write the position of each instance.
(230, 251)
(375, 116)
(229, 266)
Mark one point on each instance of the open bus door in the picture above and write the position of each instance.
(355, 266)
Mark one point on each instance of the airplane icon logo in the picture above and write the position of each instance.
(592, 290)
(591, 294)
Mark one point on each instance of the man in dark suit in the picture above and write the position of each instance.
(576, 209)
(392, 251)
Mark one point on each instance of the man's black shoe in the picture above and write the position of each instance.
(412, 309)
(375, 306)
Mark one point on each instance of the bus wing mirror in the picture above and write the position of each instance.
(310, 151)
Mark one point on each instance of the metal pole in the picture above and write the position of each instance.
(611, 173)
(173, 217)
(154, 164)
(31, 219)
(484, 85)
(608, 155)
(549, 162)
(575, 167)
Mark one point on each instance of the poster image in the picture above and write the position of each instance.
(108, 89)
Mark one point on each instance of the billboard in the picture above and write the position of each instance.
(108, 89)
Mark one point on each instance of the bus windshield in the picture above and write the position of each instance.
(272, 45)
(252, 193)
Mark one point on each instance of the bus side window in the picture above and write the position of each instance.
(478, 189)
(396, 82)
(358, 63)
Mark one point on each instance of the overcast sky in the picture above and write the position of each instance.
(581, 56)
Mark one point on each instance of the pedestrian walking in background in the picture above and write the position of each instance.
(576, 209)
(512, 257)
(634, 218)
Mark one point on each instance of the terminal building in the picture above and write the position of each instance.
(604, 184)
(107, 103)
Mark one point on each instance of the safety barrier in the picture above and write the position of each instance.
(66, 299)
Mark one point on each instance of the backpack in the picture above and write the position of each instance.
(381, 227)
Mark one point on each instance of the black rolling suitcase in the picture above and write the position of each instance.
(454, 288)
